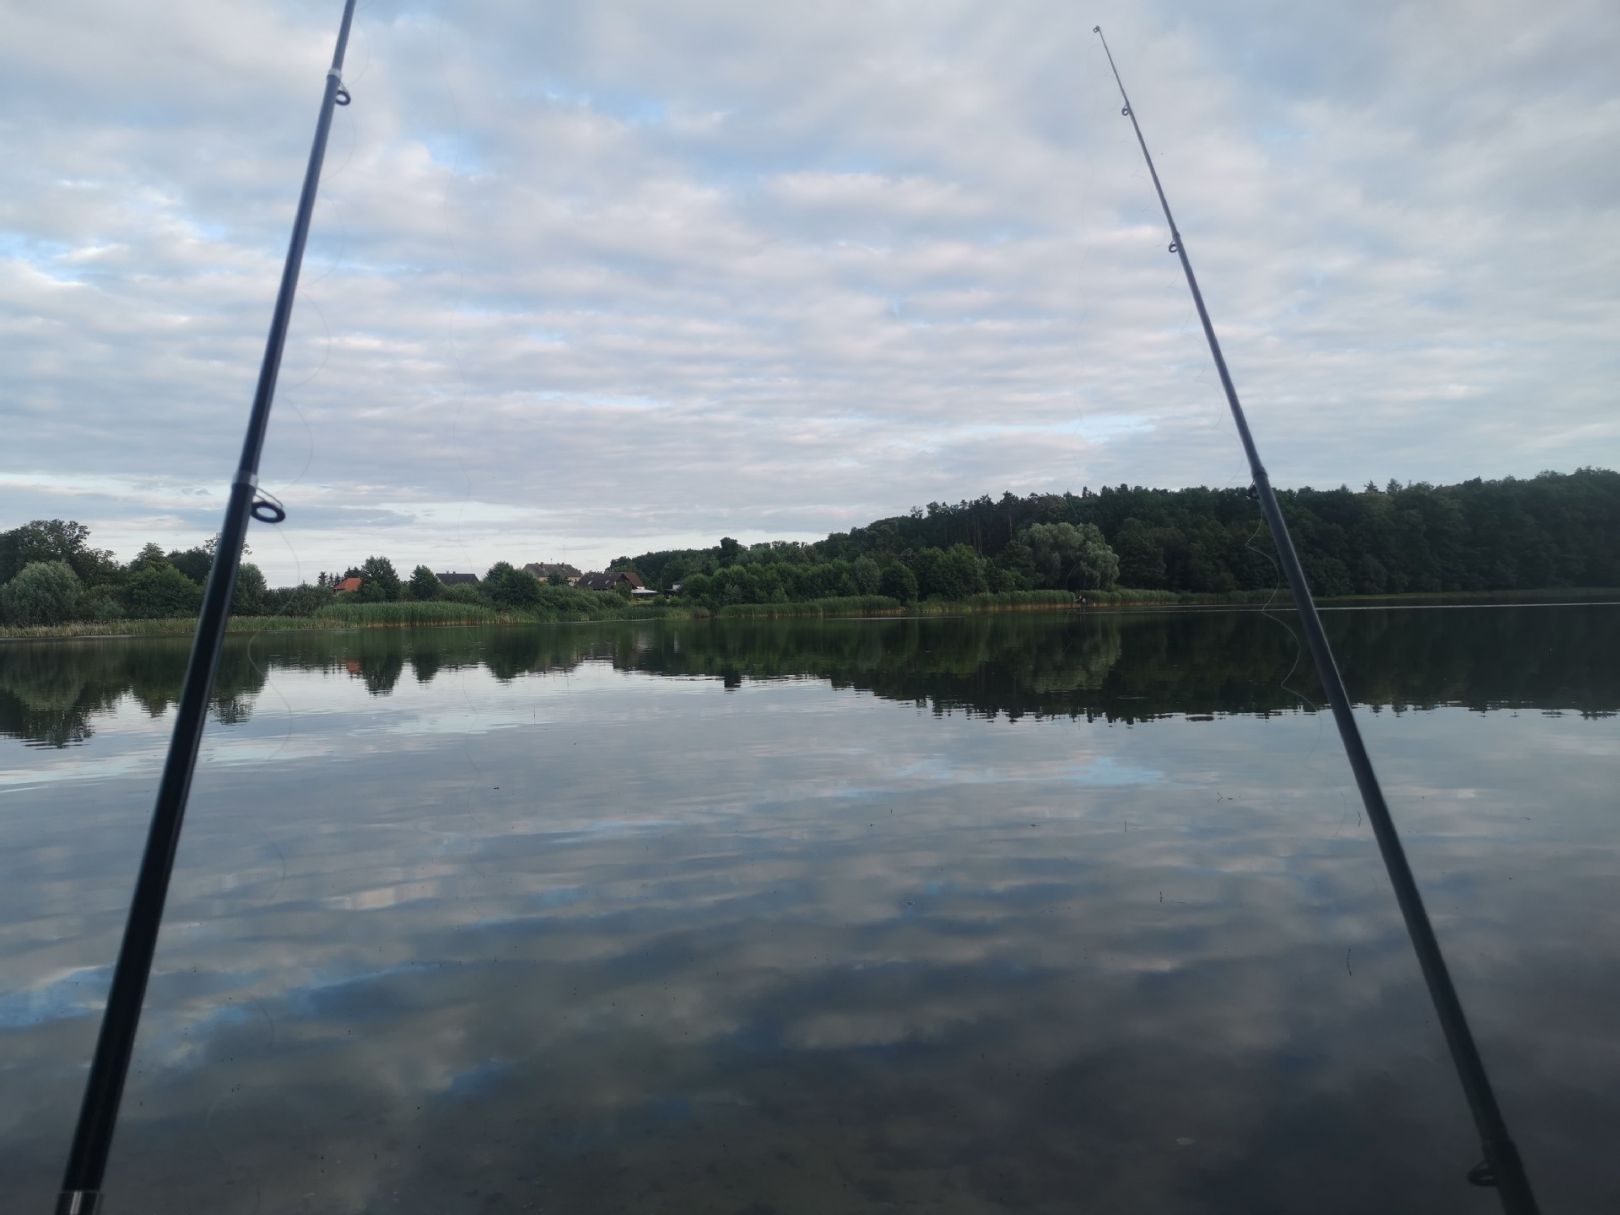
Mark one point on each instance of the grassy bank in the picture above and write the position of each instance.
(361, 616)
(591, 606)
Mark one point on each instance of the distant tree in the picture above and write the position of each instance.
(300, 600)
(953, 573)
(43, 592)
(149, 558)
(1071, 558)
(898, 582)
(100, 605)
(379, 572)
(866, 574)
(729, 551)
(511, 588)
(465, 592)
(249, 593)
(195, 563)
(157, 591)
(556, 578)
(1141, 556)
(44, 540)
(425, 584)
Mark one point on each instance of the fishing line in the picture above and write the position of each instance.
(1502, 1168)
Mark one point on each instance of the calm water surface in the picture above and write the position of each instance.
(1000, 914)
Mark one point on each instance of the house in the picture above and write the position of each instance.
(611, 580)
(348, 586)
(458, 579)
(544, 571)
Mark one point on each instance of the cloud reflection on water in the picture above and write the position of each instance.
(798, 947)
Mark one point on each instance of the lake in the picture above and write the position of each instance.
(1001, 913)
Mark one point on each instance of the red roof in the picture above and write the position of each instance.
(350, 584)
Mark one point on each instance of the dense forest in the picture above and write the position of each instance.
(1548, 531)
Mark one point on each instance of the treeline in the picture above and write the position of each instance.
(50, 574)
(1054, 556)
(1552, 530)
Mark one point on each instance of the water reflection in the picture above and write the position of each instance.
(1122, 668)
(871, 916)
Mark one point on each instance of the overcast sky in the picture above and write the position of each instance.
(592, 278)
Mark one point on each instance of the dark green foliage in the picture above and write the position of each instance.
(425, 584)
(1553, 530)
(866, 575)
(250, 593)
(953, 573)
(195, 563)
(507, 587)
(1065, 557)
(156, 591)
(45, 540)
(300, 600)
(381, 584)
(43, 592)
(149, 558)
(898, 582)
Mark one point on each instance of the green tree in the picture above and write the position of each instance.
(300, 600)
(953, 573)
(425, 584)
(149, 558)
(1070, 558)
(157, 591)
(898, 582)
(379, 571)
(866, 574)
(1141, 556)
(43, 592)
(248, 596)
(195, 563)
(508, 587)
(54, 540)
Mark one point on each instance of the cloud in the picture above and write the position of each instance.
(613, 276)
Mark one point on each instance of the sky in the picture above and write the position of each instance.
(588, 279)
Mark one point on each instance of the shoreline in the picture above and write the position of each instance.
(832, 610)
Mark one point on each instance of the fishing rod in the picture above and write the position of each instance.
(98, 1114)
(1502, 1167)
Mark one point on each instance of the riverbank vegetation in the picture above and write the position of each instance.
(1553, 530)
(1116, 546)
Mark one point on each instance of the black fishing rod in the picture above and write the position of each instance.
(1502, 1167)
(98, 1115)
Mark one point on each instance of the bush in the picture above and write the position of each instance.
(101, 606)
(157, 591)
(300, 600)
(898, 582)
(43, 592)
